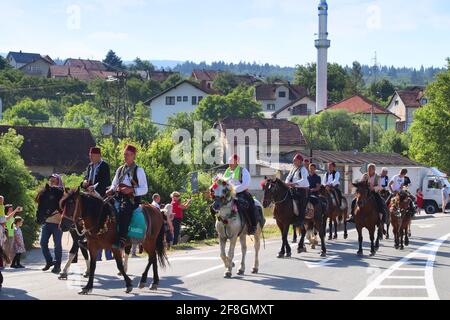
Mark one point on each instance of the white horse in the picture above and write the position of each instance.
(229, 226)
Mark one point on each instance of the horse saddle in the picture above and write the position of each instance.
(138, 224)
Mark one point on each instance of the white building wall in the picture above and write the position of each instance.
(286, 114)
(278, 102)
(399, 110)
(160, 111)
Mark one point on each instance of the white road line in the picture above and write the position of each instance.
(397, 298)
(199, 273)
(405, 277)
(430, 248)
(410, 269)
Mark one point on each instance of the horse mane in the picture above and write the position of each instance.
(90, 204)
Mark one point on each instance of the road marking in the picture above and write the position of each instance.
(405, 277)
(199, 273)
(430, 250)
(322, 263)
(425, 226)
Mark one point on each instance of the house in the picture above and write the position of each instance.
(81, 69)
(54, 150)
(350, 164)
(404, 103)
(300, 107)
(32, 64)
(182, 97)
(256, 139)
(363, 106)
(207, 77)
(280, 96)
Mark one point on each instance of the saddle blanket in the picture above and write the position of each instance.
(138, 225)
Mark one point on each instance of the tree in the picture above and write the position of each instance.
(391, 141)
(430, 129)
(240, 103)
(16, 181)
(142, 65)
(84, 115)
(355, 80)
(29, 112)
(141, 128)
(382, 90)
(171, 81)
(225, 82)
(113, 61)
(3, 63)
(306, 76)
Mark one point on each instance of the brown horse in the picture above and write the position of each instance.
(367, 216)
(85, 209)
(385, 195)
(401, 215)
(335, 213)
(276, 191)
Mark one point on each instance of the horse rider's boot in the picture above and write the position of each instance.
(83, 244)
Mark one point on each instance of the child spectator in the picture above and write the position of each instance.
(19, 245)
(419, 199)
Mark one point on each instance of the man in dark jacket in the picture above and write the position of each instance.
(98, 176)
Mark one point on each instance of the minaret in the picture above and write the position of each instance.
(322, 45)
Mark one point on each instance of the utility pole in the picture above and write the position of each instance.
(371, 124)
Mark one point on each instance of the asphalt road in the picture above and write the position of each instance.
(421, 271)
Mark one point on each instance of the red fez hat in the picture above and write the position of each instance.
(95, 150)
(131, 148)
(298, 156)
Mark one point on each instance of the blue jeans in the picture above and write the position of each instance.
(108, 255)
(48, 230)
(176, 230)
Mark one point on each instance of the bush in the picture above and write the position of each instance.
(198, 220)
(16, 183)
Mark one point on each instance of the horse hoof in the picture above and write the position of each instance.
(294, 241)
(142, 285)
(288, 255)
(241, 272)
(301, 250)
(63, 276)
(280, 256)
(313, 247)
(335, 237)
(323, 254)
(345, 236)
(360, 253)
(396, 247)
(86, 275)
(372, 253)
(227, 275)
(402, 248)
(154, 287)
(330, 238)
(387, 237)
(255, 270)
(129, 289)
(85, 292)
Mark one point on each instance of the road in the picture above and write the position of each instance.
(421, 271)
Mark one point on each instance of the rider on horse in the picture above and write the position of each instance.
(374, 181)
(240, 179)
(297, 181)
(128, 186)
(332, 181)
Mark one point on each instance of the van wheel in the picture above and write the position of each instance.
(431, 208)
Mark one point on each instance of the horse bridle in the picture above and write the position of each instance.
(285, 196)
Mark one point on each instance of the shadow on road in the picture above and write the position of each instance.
(15, 294)
(282, 283)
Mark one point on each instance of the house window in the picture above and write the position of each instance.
(185, 99)
(200, 99)
(282, 94)
(170, 101)
(396, 102)
(194, 101)
(424, 101)
(300, 110)
(270, 107)
(179, 99)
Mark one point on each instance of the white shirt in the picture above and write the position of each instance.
(332, 182)
(246, 180)
(140, 190)
(294, 177)
(156, 204)
(398, 182)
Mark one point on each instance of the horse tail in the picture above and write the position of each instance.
(161, 249)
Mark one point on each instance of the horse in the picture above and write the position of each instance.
(86, 209)
(385, 196)
(367, 216)
(277, 192)
(335, 212)
(231, 226)
(48, 200)
(401, 215)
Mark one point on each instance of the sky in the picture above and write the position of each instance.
(281, 32)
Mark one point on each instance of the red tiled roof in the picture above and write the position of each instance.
(161, 76)
(205, 75)
(411, 98)
(78, 73)
(268, 91)
(289, 132)
(358, 104)
(87, 64)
